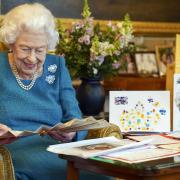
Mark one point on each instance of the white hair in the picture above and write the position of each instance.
(29, 17)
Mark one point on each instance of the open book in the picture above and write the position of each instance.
(97, 147)
(70, 126)
(124, 150)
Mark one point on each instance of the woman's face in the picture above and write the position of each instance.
(29, 52)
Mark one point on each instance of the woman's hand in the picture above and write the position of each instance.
(4, 130)
(62, 136)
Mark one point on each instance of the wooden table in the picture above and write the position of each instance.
(164, 169)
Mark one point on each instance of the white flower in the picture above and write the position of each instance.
(95, 71)
(50, 79)
(100, 59)
(52, 68)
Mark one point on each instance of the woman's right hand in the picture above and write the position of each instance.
(3, 130)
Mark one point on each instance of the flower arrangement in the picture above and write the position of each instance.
(92, 52)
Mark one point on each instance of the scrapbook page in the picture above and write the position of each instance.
(140, 110)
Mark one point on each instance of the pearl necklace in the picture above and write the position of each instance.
(18, 79)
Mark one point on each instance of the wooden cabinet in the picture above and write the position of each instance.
(135, 83)
(131, 83)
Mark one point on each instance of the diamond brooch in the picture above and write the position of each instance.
(52, 68)
(51, 78)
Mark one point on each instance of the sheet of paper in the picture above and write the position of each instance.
(71, 126)
(171, 146)
(142, 155)
(140, 110)
(156, 139)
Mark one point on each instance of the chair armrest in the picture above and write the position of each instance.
(112, 130)
(6, 166)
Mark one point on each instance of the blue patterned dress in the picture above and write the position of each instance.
(51, 100)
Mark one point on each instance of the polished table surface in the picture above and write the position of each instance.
(162, 169)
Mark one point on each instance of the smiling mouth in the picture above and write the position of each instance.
(30, 66)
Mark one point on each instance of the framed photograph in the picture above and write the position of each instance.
(146, 63)
(129, 64)
(140, 110)
(165, 55)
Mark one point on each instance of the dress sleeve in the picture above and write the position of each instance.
(68, 100)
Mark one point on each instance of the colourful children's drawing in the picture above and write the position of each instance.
(140, 110)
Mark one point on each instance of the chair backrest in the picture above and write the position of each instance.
(3, 47)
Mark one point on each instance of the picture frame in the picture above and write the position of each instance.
(146, 63)
(129, 64)
(164, 55)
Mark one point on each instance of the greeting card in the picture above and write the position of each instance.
(140, 110)
(176, 103)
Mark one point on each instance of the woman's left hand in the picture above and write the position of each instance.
(62, 136)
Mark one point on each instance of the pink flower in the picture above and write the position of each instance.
(116, 65)
(80, 40)
(86, 39)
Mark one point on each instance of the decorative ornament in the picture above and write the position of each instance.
(50, 79)
(52, 68)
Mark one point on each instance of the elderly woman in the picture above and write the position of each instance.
(35, 89)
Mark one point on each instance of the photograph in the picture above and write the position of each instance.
(97, 147)
(129, 64)
(164, 55)
(146, 63)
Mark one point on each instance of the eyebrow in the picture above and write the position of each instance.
(23, 45)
